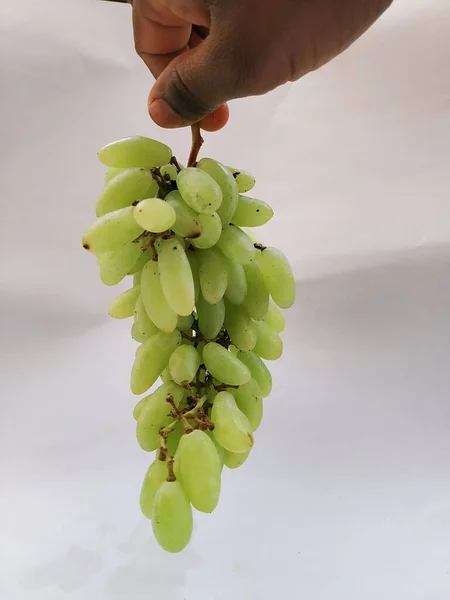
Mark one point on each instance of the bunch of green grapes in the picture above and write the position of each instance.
(205, 304)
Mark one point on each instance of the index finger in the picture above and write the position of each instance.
(161, 35)
(156, 42)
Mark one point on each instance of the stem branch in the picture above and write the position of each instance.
(197, 142)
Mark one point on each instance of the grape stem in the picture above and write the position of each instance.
(151, 244)
(259, 247)
(197, 142)
(174, 162)
(179, 415)
(143, 235)
(170, 473)
(198, 415)
(224, 387)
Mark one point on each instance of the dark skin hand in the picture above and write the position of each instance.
(204, 53)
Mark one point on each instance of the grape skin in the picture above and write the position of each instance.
(205, 302)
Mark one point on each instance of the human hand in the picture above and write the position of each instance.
(204, 53)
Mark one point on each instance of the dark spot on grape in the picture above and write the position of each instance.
(235, 175)
(257, 210)
(86, 246)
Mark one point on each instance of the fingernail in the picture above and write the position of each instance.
(163, 114)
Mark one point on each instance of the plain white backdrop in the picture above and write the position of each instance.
(347, 493)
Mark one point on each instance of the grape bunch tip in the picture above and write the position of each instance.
(205, 307)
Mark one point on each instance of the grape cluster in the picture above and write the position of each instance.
(205, 304)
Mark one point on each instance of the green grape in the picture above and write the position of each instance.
(213, 274)
(233, 349)
(211, 230)
(172, 517)
(210, 317)
(176, 277)
(234, 460)
(278, 276)
(139, 407)
(237, 283)
(183, 364)
(245, 181)
(136, 151)
(224, 366)
(136, 334)
(231, 427)
(185, 323)
(259, 371)
(156, 414)
(257, 300)
(165, 376)
(144, 256)
(154, 478)
(151, 359)
(227, 185)
(169, 171)
(268, 344)
(251, 212)
(249, 400)
(220, 449)
(240, 327)
(199, 190)
(144, 324)
(200, 470)
(162, 315)
(111, 231)
(115, 265)
(125, 188)
(186, 223)
(111, 172)
(275, 318)
(236, 245)
(123, 306)
(154, 215)
(194, 268)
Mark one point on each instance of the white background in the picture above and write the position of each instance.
(347, 493)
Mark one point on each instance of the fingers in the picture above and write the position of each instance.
(158, 39)
(217, 119)
(241, 56)
(193, 85)
(162, 35)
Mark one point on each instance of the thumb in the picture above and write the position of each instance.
(193, 85)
